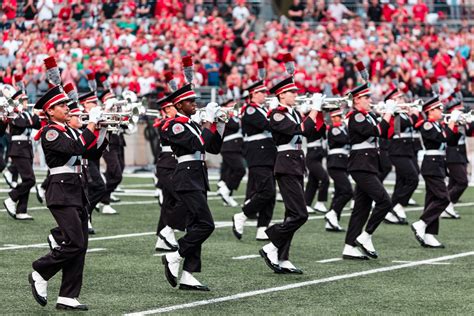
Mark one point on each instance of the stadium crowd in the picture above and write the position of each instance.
(135, 42)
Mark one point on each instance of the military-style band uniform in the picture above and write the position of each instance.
(456, 158)
(364, 167)
(66, 198)
(318, 179)
(190, 179)
(21, 154)
(232, 168)
(402, 151)
(433, 169)
(337, 160)
(285, 125)
(260, 154)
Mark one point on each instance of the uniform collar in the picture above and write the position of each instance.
(60, 124)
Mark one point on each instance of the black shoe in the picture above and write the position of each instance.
(40, 299)
(292, 271)
(441, 246)
(335, 230)
(172, 280)
(236, 233)
(38, 196)
(80, 307)
(187, 287)
(115, 199)
(158, 249)
(371, 254)
(348, 257)
(275, 267)
(170, 245)
(91, 231)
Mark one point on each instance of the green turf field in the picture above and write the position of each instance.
(122, 275)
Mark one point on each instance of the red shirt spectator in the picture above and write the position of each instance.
(420, 10)
(65, 13)
(9, 8)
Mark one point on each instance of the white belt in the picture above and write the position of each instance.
(233, 136)
(403, 135)
(259, 136)
(316, 143)
(65, 169)
(20, 137)
(336, 151)
(85, 162)
(289, 147)
(166, 149)
(435, 152)
(197, 156)
(364, 145)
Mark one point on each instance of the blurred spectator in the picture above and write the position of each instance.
(65, 12)
(337, 10)
(212, 68)
(296, 11)
(78, 10)
(109, 9)
(29, 10)
(9, 8)
(420, 10)
(240, 12)
(45, 9)
(144, 9)
(374, 13)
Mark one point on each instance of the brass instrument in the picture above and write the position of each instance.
(464, 118)
(115, 121)
(222, 114)
(400, 108)
(338, 102)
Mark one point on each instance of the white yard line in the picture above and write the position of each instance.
(96, 249)
(329, 260)
(433, 263)
(218, 224)
(243, 295)
(245, 257)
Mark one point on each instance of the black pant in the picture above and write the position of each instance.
(21, 193)
(458, 181)
(317, 179)
(95, 185)
(292, 191)
(199, 226)
(368, 188)
(436, 201)
(232, 169)
(385, 165)
(406, 179)
(113, 172)
(260, 195)
(172, 213)
(342, 190)
(70, 257)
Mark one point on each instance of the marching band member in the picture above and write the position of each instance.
(338, 144)
(21, 155)
(364, 167)
(232, 168)
(260, 154)
(166, 164)
(456, 162)
(401, 152)
(66, 199)
(288, 130)
(189, 143)
(433, 169)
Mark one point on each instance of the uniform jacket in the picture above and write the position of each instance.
(457, 154)
(257, 152)
(21, 126)
(166, 159)
(436, 137)
(338, 138)
(233, 139)
(186, 137)
(60, 144)
(285, 124)
(364, 127)
(403, 143)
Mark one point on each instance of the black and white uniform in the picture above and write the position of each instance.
(232, 168)
(318, 179)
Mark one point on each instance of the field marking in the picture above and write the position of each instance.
(246, 257)
(242, 295)
(329, 260)
(96, 249)
(218, 224)
(433, 263)
(159, 254)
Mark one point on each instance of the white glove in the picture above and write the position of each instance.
(211, 110)
(317, 101)
(95, 115)
(273, 103)
(220, 126)
(196, 118)
(390, 107)
(455, 116)
(108, 104)
(305, 107)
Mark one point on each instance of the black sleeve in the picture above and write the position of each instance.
(56, 141)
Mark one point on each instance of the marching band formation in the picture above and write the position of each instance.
(264, 134)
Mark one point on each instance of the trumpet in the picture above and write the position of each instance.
(116, 121)
(222, 114)
(464, 118)
(337, 102)
(400, 108)
(150, 112)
